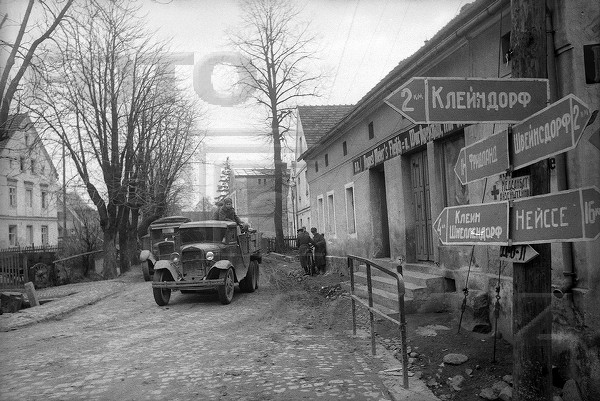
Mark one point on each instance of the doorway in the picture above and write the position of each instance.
(420, 192)
(381, 232)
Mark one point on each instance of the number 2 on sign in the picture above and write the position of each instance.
(408, 94)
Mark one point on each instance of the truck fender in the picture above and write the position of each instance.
(221, 265)
(147, 255)
(166, 264)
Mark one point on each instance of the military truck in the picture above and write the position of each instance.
(160, 243)
(213, 254)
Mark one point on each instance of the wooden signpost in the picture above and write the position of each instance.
(426, 100)
(553, 130)
(565, 216)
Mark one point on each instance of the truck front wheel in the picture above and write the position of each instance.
(226, 290)
(162, 295)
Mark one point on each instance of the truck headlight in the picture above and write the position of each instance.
(210, 255)
(174, 257)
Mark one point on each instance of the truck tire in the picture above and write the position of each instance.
(250, 282)
(146, 270)
(226, 290)
(162, 296)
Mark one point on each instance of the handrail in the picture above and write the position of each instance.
(401, 290)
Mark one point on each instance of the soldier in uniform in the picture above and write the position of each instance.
(304, 242)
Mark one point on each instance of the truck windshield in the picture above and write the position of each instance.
(202, 234)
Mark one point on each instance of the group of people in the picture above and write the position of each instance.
(305, 244)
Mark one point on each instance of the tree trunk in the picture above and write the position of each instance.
(532, 285)
(109, 268)
(278, 212)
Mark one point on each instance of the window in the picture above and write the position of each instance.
(371, 130)
(12, 235)
(44, 235)
(44, 199)
(12, 196)
(26, 140)
(43, 169)
(259, 180)
(350, 212)
(29, 197)
(320, 212)
(316, 166)
(330, 214)
(32, 166)
(326, 160)
(345, 148)
(29, 233)
(22, 163)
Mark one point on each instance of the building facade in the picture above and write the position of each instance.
(28, 189)
(253, 195)
(378, 181)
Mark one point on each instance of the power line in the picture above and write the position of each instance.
(344, 48)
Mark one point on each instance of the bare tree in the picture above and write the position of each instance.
(278, 49)
(112, 102)
(20, 53)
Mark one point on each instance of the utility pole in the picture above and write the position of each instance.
(532, 284)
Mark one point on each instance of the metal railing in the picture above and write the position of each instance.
(401, 324)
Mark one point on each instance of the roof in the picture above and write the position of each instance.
(452, 31)
(318, 120)
(171, 220)
(15, 122)
(241, 172)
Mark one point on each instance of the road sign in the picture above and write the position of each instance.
(564, 216)
(511, 188)
(550, 131)
(517, 253)
(485, 223)
(469, 100)
(483, 158)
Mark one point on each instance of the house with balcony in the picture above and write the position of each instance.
(28, 188)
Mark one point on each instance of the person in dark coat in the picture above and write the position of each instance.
(304, 242)
(320, 250)
(227, 212)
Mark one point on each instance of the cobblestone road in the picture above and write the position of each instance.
(125, 347)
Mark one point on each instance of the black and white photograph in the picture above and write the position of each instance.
(286, 200)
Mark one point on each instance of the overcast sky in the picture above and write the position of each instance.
(360, 40)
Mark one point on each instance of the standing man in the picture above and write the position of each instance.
(303, 242)
(320, 250)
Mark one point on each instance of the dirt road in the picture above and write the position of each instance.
(274, 344)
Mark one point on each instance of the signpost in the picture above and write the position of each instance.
(553, 130)
(485, 223)
(469, 100)
(564, 216)
(511, 188)
(517, 253)
(483, 158)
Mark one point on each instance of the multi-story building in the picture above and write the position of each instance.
(312, 123)
(379, 181)
(253, 195)
(28, 188)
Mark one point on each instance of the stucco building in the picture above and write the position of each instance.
(28, 188)
(377, 181)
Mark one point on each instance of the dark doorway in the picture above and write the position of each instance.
(420, 191)
(381, 232)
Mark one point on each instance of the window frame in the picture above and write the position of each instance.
(330, 226)
(12, 196)
(350, 230)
